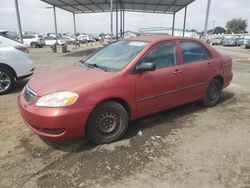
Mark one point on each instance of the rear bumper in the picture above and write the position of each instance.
(54, 123)
(227, 80)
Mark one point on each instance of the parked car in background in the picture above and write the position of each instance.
(217, 41)
(69, 40)
(96, 37)
(49, 41)
(246, 42)
(92, 39)
(239, 40)
(85, 38)
(82, 39)
(15, 63)
(33, 41)
(229, 41)
(128, 79)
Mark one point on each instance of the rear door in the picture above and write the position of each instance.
(159, 89)
(198, 69)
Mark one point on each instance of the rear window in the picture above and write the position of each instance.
(8, 36)
(193, 52)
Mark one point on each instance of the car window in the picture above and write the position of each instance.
(51, 38)
(192, 52)
(163, 55)
(28, 36)
(8, 36)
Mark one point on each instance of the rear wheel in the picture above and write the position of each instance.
(107, 123)
(6, 81)
(34, 45)
(213, 93)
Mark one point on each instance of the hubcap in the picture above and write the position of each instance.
(107, 123)
(213, 94)
(4, 81)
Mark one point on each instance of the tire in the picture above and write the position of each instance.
(7, 81)
(107, 123)
(213, 93)
(34, 45)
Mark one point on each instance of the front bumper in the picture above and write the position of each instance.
(54, 123)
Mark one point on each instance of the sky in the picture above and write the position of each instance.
(35, 17)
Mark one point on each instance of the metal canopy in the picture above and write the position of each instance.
(148, 6)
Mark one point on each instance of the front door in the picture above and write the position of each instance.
(159, 89)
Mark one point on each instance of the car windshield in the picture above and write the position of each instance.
(116, 56)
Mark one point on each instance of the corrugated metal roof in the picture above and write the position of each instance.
(149, 6)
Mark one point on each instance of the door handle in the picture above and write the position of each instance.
(177, 72)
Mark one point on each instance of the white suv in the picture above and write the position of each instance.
(15, 63)
(33, 41)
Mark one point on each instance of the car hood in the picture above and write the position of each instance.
(68, 78)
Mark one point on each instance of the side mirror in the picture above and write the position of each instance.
(143, 67)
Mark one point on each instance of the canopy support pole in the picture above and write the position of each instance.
(123, 27)
(116, 19)
(121, 24)
(54, 10)
(111, 19)
(74, 19)
(173, 25)
(184, 23)
(19, 22)
(206, 21)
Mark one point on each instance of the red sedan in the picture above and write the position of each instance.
(98, 96)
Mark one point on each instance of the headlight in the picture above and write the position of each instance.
(58, 99)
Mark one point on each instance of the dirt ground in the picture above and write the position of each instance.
(189, 146)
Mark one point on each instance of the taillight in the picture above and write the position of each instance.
(22, 48)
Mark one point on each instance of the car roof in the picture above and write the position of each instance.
(161, 38)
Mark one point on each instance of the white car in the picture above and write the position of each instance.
(51, 41)
(33, 41)
(69, 40)
(15, 63)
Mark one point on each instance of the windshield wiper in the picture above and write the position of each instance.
(101, 67)
(94, 66)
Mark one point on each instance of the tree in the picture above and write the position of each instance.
(236, 26)
(219, 30)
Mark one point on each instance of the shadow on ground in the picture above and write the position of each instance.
(119, 159)
(164, 121)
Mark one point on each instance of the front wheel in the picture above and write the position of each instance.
(107, 123)
(6, 81)
(213, 93)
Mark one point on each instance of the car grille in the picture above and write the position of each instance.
(28, 94)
